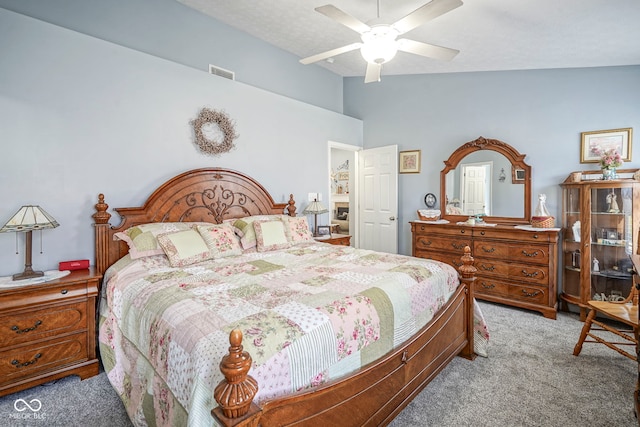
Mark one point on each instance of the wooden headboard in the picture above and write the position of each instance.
(209, 195)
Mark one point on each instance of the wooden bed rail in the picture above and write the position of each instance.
(235, 393)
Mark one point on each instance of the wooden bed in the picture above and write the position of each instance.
(375, 394)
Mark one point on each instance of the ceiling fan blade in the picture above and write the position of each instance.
(373, 72)
(330, 53)
(343, 18)
(428, 50)
(425, 13)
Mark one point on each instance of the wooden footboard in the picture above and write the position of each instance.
(375, 394)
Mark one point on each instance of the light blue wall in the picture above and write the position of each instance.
(541, 113)
(170, 30)
(81, 116)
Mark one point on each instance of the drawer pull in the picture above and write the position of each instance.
(64, 291)
(488, 267)
(482, 233)
(22, 331)
(531, 294)
(463, 231)
(425, 242)
(491, 286)
(534, 274)
(488, 250)
(535, 236)
(17, 363)
(530, 254)
(458, 245)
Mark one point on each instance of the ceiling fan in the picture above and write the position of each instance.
(379, 42)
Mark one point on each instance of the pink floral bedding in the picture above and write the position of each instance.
(309, 314)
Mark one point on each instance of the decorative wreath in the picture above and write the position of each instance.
(224, 123)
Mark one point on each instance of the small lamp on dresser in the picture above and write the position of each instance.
(315, 208)
(27, 219)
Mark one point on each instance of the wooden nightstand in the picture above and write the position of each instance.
(335, 239)
(48, 331)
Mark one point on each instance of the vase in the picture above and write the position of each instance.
(609, 174)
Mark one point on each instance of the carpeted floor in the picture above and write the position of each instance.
(530, 378)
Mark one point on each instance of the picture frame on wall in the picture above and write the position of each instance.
(410, 161)
(594, 142)
(518, 176)
(343, 176)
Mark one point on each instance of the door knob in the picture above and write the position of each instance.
(392, 218)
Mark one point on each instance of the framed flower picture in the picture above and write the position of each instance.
(410, 161)
(594, 143)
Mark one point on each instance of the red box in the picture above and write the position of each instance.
(79, 264)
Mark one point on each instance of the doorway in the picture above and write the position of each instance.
(343, 189)
(475, 188)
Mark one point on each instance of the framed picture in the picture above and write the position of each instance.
(594, 142)
(323, 230)
(343, 176)
(518, 176)
(410, 161)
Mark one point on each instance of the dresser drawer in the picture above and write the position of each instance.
(529, 254)
(435, 242)
(531, 294)
(428, 230)
(23, 326)
(29, 360)
(513, 234)
(538, 274)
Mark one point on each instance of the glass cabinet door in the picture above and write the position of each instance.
(572, 244)
(611, 242)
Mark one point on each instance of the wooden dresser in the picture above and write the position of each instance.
(48, 331)
(515, 267)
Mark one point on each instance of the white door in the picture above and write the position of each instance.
(378, 198)
(474, 188)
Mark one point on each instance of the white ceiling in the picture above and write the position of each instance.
(490, 34)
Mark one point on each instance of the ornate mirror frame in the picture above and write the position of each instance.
(517, 163)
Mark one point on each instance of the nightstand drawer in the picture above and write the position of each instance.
(43, 293)
(20, 327)
(29, 360)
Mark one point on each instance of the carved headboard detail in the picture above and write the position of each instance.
(209, 195)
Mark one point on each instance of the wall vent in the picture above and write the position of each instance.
(222, 72)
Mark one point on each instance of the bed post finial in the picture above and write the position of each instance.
(467, 270)
(101, 216)
(235, 393)
(291, 206)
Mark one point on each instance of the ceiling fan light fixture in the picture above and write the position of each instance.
(380, 44)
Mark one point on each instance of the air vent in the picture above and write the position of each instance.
(222, 72)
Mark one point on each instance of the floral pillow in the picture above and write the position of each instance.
(221, 239)
(271, 234)
(244, 228)
(298, 229)
(184, 247)
(142, 239)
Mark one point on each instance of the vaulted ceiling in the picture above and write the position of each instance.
(490, 34)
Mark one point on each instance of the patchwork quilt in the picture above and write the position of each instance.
(309, 314)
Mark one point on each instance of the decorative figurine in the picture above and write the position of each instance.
(541, 209)
(596, 265)
(612, 204)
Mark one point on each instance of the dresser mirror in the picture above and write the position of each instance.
(486, 177)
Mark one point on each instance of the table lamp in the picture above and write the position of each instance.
(315, 208)
(27, 219)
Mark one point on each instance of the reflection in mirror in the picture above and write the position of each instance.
(475, 187)
(486, 177)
